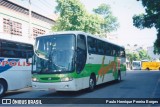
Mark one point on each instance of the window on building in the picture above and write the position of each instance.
(37, 31)
(12, 27)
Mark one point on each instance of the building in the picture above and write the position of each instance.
(15, 21)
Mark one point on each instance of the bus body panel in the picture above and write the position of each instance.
(17, 73)
(151, 65)
(13, 67)
(136, 65)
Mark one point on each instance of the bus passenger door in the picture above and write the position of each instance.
(81, 60)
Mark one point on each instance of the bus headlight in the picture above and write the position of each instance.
(65, 79)
(34, 79)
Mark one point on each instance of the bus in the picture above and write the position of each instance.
(151, 65)
(136, 65)
(75, 60)
(15, 73)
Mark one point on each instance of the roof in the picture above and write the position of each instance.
(14, 6)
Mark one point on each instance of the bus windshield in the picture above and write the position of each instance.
(55, 53)
(136, 64)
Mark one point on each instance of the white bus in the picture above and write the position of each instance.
(74, 60)
(136, 65)
(15, 72)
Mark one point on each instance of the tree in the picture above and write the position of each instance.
(73, 16)
(129, 56)
(110, 22)
(93, 23)
(144, 55)
(135, 56)
(132, 56)
(151, 18)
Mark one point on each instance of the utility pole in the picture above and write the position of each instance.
(30, 20)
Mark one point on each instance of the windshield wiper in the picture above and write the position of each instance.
(40, 55)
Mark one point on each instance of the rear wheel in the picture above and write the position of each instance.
(3, 88)
(147, 69)
(92, 83)
(119, 76)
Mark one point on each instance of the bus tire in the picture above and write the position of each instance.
(159, 68)
(147, 69)
(119, 76)
(92, 83)
(3, 87)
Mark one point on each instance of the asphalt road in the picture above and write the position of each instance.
(136, 84)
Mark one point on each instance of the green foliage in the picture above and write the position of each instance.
(103, 9)
(144, 55)
(132, 56)
(73, 16)
(92, 23)
(135, 56)
(110, 22)
(150, 19)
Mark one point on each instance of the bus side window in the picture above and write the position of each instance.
(118, 51)
(92, 45)
(8, 49)
(15, 50)
(122, 52)
(113, 52)
(81, 53)
(100, 47)
(108, 49)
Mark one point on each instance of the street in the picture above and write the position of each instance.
(136, 84)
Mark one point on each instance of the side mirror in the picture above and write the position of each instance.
(27, 61)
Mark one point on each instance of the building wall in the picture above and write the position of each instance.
(39, 25)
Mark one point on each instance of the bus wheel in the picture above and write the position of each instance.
(147, 69)
(119, 77)
(3, 87)
(92, 83)
(159, 68)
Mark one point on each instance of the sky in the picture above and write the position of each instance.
(122, 9)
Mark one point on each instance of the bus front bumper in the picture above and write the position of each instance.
(57, 86)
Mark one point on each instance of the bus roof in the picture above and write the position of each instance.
(136, 61)
(81, 32)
